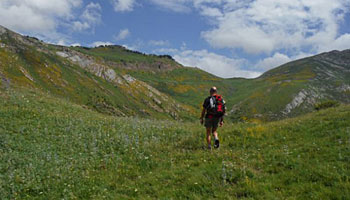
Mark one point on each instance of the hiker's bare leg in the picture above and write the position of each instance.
(215, 133)
(208, 136)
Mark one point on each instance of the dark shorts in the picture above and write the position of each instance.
(212, 122)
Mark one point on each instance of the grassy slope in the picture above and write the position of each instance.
(66, 80)
(263, 98)
(53, 149)
(186, 85)
(190, 86)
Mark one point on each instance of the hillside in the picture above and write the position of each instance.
(286, 91)
(292, 89)
(119, 82)
(53, 149)
(83, 76)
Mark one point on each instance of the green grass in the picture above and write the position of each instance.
(253, 96)
(264, 98)
(52, 149)
(63, 79)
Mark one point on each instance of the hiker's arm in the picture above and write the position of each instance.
(221, 121)
(202, 115)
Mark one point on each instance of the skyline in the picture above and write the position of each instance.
(226, 38)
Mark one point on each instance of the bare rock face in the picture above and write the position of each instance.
(152, 97)
(336, 59)
(129, 78)
(89, 64)
(62, 54)
(26, 74)
(297, 101)
(344, 88)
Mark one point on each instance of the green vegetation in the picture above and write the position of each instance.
(264, 98)
(121, 55)
(95, 78)
(326, 104)
(31, 68)
(53, 149)
(64, 133)
(252, 96)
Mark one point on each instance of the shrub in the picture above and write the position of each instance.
(326, 104)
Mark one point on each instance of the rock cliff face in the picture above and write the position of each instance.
(89, 64)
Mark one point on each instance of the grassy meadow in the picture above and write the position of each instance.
(53, 149)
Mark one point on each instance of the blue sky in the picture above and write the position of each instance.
(229, 38)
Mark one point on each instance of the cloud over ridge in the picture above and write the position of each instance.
(265, 26)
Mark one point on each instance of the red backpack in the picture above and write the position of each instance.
(217, 106)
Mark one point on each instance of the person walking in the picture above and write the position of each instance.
(213, 111)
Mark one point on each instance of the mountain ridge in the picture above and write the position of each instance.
(117, 81)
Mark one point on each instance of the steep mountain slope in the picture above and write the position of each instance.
(293, 89)
(120, 82)
(86, 78)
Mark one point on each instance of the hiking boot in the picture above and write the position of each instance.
(216, 144)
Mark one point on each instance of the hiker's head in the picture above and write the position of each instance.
(213, 90)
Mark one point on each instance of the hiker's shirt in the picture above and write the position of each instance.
(209, 103)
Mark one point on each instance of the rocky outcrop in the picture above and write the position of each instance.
(297, 101)
(139, 90)
(336, 59)
(89, 64)
(344, 88)
(26, 74)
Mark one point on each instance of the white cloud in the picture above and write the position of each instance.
(36, 16)
(133, 48)
(75, 45)
(123, 34)
(100, 43)
(89, 19)
(123, 5)
(61, 42)
(340, 43)
(174, 5)
(44, 18)
(80, 26)
(165, 51)
(136, 46)
(210, 12)
(159, 43)
(92, 13)
(214, 63)
(267, 26)
(271, 62)
(264, 26)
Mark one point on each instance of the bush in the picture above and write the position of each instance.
(326, 104)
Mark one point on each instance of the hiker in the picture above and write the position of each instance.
(214, 111)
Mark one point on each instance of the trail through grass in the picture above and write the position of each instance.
(52, 149)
